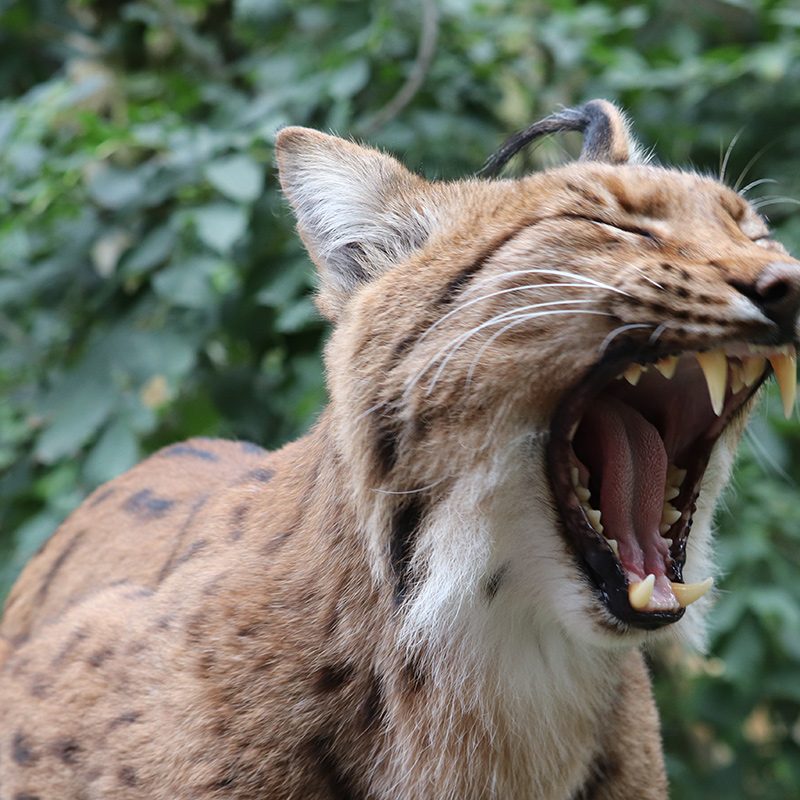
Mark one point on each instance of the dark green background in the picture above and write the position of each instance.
(152, 288)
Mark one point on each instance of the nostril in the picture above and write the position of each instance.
(776, 291)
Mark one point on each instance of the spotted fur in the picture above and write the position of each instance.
(387, 608)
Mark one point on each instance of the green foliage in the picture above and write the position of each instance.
(151, 286)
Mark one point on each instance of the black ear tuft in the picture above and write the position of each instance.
(605, 135)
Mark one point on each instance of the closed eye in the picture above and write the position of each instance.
(613, 226)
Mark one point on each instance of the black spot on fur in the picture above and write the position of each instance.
(126, 718)
(260, 474)
(171, 562)
(372, 707)
(386, 445)
(458, 281)
(127, 776)
(99, 657)
(603, 771)
(56, 566)
(26, 796)
(147, 505)
(237, 522)
(189, 450)
(333, 677)
(492, 584)
(40, 686)
(193, 549)
(275, 543)
(72, 643)
(102, 496)
(413, 675)
(339, 785)
(405, 525)
(22, 750)
(67, 751)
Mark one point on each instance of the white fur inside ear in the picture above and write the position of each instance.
(359, 211)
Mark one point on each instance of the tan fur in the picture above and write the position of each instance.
(224, 622)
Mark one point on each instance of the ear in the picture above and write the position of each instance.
(358, 211)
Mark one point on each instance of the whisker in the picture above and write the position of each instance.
(771, 201)
(454, 345)
(413, 491)
(728, 152)
(617, 331)
(646, 276)
(750, 163)
(753, 184)
(531, 286)
(658, 331)
(537, 271)
(525, 318)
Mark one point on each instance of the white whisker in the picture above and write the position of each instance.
(771, 201)
(617, 331)
(455, 344)
(527, 286)
(542, 271)
(519, 321)
(749, 165)
(753, 184)
(658, 331)
(413, 491)
(728, 152)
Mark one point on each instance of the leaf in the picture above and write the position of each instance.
(114, 188)
(238, 177)
(220, 225)
(154, 249)
(188, 283)
(115, 451)
(298, 316)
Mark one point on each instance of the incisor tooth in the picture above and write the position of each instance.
(670, 514)
(687, 593)
(753, 368)
(671, 492)
(667, 365)
(664, 527)
(640, 594)
(612, 543)
(593, 516)
(784, 364)
(715, 368)
(633, 373)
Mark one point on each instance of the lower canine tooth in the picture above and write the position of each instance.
(593, 516)
(687, 593)
(715, 368)
(784, 365)
(640, 594)
(737, 379)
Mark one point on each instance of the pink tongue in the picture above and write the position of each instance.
(632, 460)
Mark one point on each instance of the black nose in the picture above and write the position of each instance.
(776, 291)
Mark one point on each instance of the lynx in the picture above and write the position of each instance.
(442, 591)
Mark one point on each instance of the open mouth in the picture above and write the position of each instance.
(628, 450)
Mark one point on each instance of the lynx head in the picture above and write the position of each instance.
(538, 384)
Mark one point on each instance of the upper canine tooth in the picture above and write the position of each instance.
(784, 364)
(753, 368)
(687, 593)
(633, 373)
(640, 594)
(715, 368)
(667, 365)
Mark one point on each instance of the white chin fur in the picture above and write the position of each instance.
(516, 533)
